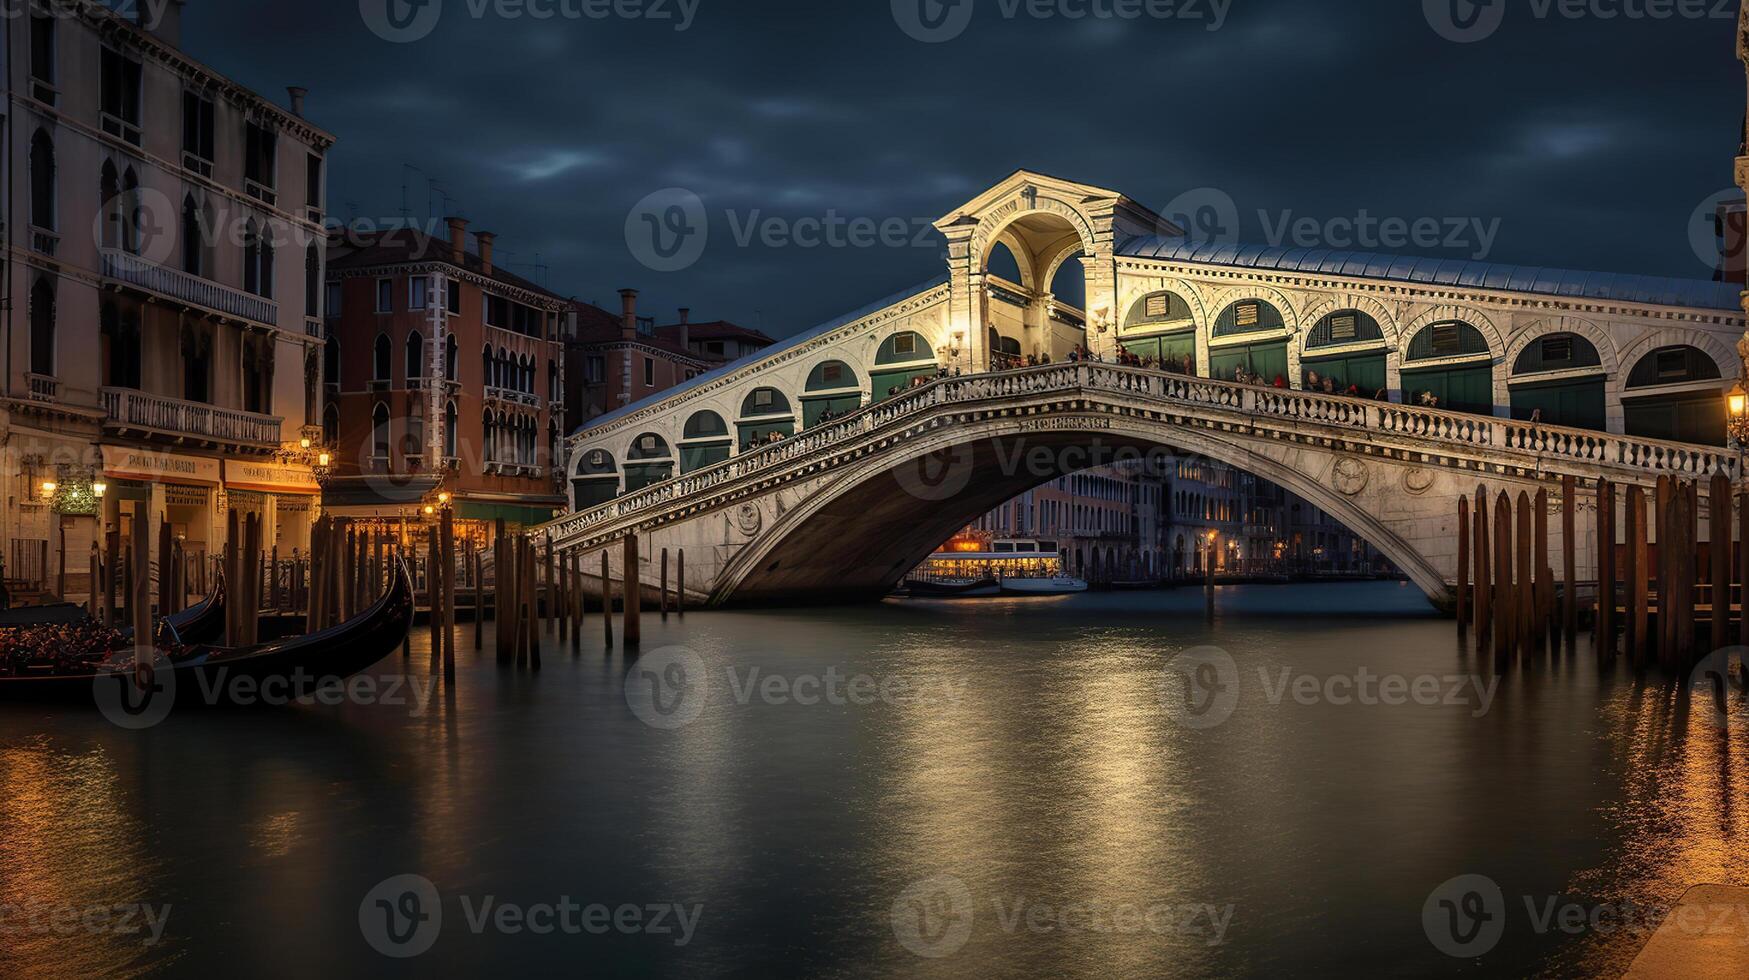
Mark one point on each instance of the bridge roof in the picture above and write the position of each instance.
(1609, 286)
(779, 347)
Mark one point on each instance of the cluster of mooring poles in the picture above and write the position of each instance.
(541, 593)
(1662, 594)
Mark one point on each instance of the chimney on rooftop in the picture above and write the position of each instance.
(297, 93)
(163, 20)
(685, 328)
(458, 239)
(485, 238)
(628, 327)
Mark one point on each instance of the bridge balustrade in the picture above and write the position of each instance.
(1425, 425)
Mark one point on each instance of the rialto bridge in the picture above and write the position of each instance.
(826, 467)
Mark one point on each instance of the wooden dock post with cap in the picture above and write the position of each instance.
(1505, 612)
(1526, 607)
(1605, 567)
(634, 595)
(1545, 584)
(1484, 570)
(1719, 535)
(606, 602)
(664, 588)
(1463, 566)
(680, 583)
(1570, 555)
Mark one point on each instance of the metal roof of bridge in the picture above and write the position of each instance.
(754, 358)
(1617, 287)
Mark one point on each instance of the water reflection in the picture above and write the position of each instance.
(1035, 762)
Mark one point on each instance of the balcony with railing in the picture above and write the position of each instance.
(43, 388)
(187, 287)
(152, 416)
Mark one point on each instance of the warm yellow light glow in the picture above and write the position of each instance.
(99, 488)
(304, 443)
(1739, 401)
(443, 498)
(429, 510)
(324, 459)
(49, 488)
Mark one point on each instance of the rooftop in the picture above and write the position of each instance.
(717, 330)
(408, 246)
(1606, 286)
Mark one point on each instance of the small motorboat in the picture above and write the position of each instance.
(1059, 585)
(203, 674)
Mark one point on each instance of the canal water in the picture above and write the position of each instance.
(1073, 787)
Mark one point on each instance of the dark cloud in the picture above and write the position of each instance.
(1592, 141)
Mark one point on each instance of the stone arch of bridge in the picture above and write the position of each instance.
(892, 511)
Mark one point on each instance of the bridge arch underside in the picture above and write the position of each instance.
(853, 538)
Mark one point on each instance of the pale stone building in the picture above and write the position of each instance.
(164, 263)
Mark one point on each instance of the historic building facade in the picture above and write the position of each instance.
(446, 376)
(164, 260)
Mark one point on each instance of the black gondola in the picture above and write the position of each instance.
(207, 675)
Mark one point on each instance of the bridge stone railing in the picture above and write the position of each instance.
(1435, 429)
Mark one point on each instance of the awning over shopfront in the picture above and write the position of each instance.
(508, 513)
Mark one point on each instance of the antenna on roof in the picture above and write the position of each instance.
(406, 211)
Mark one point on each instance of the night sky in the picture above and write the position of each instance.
(1591, 141)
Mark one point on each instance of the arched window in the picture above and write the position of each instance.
(312, 281)
(257, 261)
(42, 327)
(130, 212)
(121, 342)
(552, 380)
(109, 205)
(1452, 338)
(1557, 352)
(379, 436)
(193, 237)
(649, 446)
(1342, 328)
(331, 361)
(330, 424)
(450, 422)
(489, 429)
(415, 355)
(413, 441)
(489, 367)
(451, 359)
(42, 181)
(1248, 316)
(1158, 310)
(379, 362)
(706, 425)
(1673, 365)
(764, 403)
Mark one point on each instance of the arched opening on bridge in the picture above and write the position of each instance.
(833, 391)
(1005, 352)
(1035, 288)
(1249, 339)
(902, 358)
(1560, 376)
(1345, 353)
(1449, 366)
(649, 461)
(765, 415)
(1160, 328)
(705, 441)
(1674, 393)
(595, 481)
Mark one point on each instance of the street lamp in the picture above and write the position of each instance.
(49, 488)
(1737, 421)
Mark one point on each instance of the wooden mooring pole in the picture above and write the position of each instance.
(606, 603)
(1719, 537)
(1463, 566)
(1484, 570)
(1570, 556)
(1639, 564)
(1605, 568)
(634, 595)
(1505, 604)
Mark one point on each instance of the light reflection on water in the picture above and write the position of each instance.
(1041, 768)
